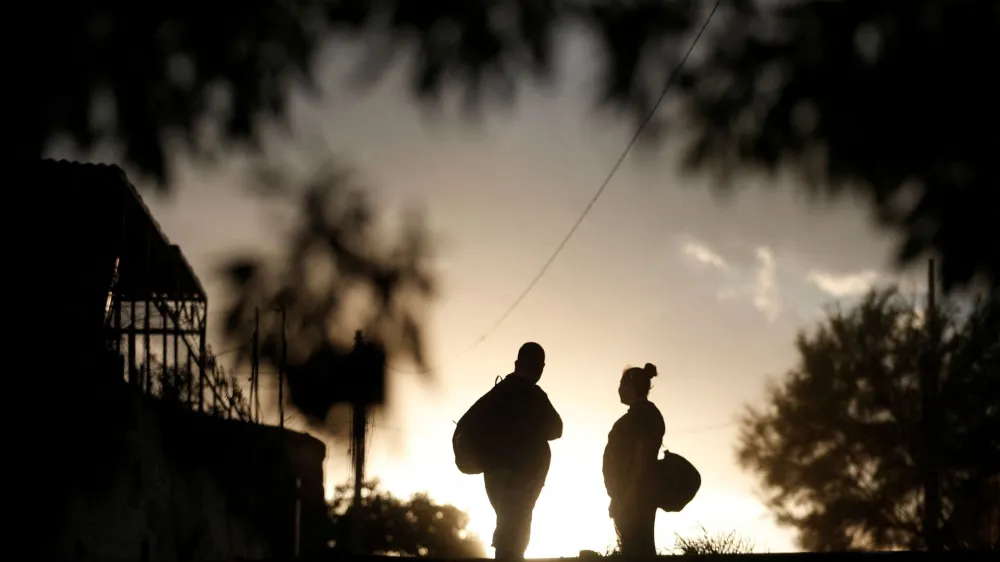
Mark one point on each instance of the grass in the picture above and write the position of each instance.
(702, 544)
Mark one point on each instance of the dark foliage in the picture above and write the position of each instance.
(338, 275)
(893, 99)
(208, 75)
(838, 447)
(414, 527)
(224, 394)
(141, 74)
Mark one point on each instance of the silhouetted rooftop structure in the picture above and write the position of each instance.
(134, 289)
(110, 198)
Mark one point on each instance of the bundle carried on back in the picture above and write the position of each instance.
(472, 439)
(677, 482)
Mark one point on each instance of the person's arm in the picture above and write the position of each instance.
(551, 422)
(645, 451)
(640, 468)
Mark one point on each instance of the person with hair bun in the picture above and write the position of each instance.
(629, 460)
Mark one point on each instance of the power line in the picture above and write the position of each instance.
(600, 191)
(694, 430)
(683, 432)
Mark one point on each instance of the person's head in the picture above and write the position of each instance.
(530, 362)
(635, 384)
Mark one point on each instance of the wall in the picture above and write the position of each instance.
(173, 485)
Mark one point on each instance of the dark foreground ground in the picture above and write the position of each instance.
(789, 557)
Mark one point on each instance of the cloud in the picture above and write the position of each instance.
(761, 288)
(703, 254)
(757, 283)
(765, 290)
(844, 285)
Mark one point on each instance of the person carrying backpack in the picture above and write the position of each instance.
(505, 436)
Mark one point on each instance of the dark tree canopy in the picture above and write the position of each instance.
(207, 75)
(414, 527)
(341, 272)
(893, 99)
(143, 74)
(838, 447)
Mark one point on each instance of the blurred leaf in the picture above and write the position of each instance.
(341, 275)
(875, 97)
(211, 77)
(871, 97)
(242, 271)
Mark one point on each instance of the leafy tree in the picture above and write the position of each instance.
(337, 276)
(882, 98)
(890, 99)
(414, 527)
(838, 446)
(200, 77)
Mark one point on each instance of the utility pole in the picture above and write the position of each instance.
(298, 517)
(255, 366)
(929, 387)
(281, 372)
(358, 430)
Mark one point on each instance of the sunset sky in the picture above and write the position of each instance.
(710, 289)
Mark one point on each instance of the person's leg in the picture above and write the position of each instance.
(645, 526)
(618, 533)
(531, 488)
(520, 492)
(494, 491)
(634, 527)
(502, 492)
(623, 529)
(519, 527)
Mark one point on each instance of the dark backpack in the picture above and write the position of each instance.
(472, 441)
(677, 482)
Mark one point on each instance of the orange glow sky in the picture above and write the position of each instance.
(710, 289)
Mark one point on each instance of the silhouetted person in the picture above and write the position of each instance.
(524, 422)
(629, 460)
